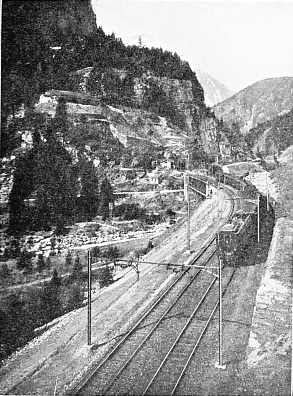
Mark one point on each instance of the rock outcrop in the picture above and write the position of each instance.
(270, 340)
(179, 92)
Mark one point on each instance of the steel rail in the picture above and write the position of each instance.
(185, 328)
(180, 335)
(92, 372)
(200, 338)
(147, 336)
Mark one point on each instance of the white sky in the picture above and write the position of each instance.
(237, 42)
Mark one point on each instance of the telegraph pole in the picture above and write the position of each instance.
(267, 188)
(219, 276)
(257, 218)
(187, 199)
(220, 365)
(89, 289)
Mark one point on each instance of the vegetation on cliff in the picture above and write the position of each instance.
(62, 191)
(277, 134)
(257, 103)
(58, 172)
(34, 61)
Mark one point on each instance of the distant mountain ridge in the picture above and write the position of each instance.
(214, 91)
(257, 103)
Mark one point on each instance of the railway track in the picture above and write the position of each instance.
(171, 371)
(173, 327)
(145, 326)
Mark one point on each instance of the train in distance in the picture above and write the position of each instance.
(241, 232)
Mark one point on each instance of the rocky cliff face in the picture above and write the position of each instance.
(134, 125)
(131, 127)
(214, 91)
(209, 135)
(30, 33)
(179, 92)
(257, 103)
(49, 24)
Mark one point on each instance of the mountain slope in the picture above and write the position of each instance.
(274, 136)
(164, 83)
(214, 91)
(257, 103)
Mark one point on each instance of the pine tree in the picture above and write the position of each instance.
(55, 181)
(76, 297)
(50, 301)
(5, 272)
(68, 259)
(105, 276)
(112, 253)
(48, 263)
(77, 269)
(96, 252)
(14, 327)
(41, 265)
(106, 197)
(55, 281)
(89, 194)
(25, 261)
(94, 82)
(60, 122)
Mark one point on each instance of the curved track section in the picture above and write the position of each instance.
(173, 327)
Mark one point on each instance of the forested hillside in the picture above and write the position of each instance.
(44, 45)
(257, 103)
(272, 137)
(262, 113)
(34, 61)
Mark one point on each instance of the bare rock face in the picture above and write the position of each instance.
(180, 92)
(133, 126)
(209, 135)
(182, 96)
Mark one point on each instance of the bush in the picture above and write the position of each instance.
(105, 276)
(25, 261)
(41, 265)
(112, 253)
(68, 259)
(5, 272)
(129, 211)
(96, 252)
(77, 269)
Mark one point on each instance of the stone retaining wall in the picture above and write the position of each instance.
(272, 318)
